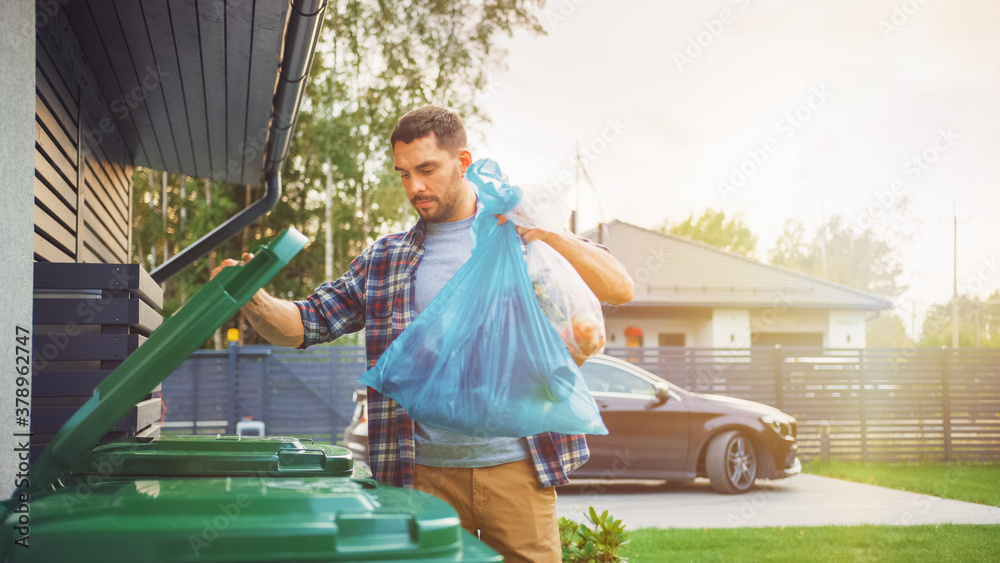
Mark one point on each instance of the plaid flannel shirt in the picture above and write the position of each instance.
(377, 293)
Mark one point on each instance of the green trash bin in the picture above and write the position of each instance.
(213, 498)
(218, 455)
(239, 519)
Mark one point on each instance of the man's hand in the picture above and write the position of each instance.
(527, 234)
(277, 320)
(604, 275)
(230, 262)
(539, 234)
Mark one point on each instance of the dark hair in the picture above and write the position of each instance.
(446, 125)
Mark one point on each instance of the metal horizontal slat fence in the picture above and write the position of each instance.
(857, 404)
(294, 392)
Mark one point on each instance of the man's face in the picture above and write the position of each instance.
(434, 179)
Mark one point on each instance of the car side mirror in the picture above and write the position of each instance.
(662, 396)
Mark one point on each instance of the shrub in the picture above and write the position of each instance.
(602, 543)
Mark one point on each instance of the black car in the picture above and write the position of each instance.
(660, 431)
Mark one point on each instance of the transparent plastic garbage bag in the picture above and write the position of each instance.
(565, 298)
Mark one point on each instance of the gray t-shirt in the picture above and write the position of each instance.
(447, 246)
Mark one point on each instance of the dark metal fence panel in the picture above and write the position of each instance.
(873, 404)
(196, 395)
(972, 400)
(294, 392)
(868, 404)
(311, 391)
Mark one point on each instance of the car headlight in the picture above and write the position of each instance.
(782, 426)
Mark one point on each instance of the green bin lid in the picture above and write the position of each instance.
(218, 455)
(239, 519)
(166, 348)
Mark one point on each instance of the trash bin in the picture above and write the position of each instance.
(214, 456)
(240, 519)
(213, 498)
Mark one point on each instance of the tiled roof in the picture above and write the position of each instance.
(675, 271)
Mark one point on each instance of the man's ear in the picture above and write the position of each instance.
(465, 157)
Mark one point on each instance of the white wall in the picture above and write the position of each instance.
(703, 334)
(733, 327)
(846, 330)
(692, 325)
(729, 328)
(776, 319)
(17, 171)
(614, 329)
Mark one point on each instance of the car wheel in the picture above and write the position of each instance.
(731, 462)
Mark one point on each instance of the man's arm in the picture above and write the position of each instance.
(277, 320)
(602, 273)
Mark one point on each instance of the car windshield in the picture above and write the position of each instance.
(608, 378)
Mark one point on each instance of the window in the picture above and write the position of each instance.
(671, 339)
(604, 378)
(770, 339)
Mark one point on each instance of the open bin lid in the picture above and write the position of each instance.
(218, 455)
(166, 348)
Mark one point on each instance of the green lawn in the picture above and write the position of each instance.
(821, 544)
(972, 482)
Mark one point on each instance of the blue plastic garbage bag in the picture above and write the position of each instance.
(482, 358)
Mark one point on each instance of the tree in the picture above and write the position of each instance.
(713, 228)
(791, 250)
(887, 331)
(978, 323)
(990, 318)
(169, 213)
(859, 259)
(376, 61)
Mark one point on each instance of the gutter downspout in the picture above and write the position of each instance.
(304, 25)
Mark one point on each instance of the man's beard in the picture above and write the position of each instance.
(446, 204)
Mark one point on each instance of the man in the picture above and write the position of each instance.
(502, 488)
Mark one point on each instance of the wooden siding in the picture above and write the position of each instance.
(88, 318)
(83, 179)
(190, 83)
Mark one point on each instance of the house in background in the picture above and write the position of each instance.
(691, 294)
(91, 89)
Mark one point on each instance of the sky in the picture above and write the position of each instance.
(884, 112)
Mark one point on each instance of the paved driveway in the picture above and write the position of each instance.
(803, 500)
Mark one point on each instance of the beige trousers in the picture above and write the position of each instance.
(503, 505)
